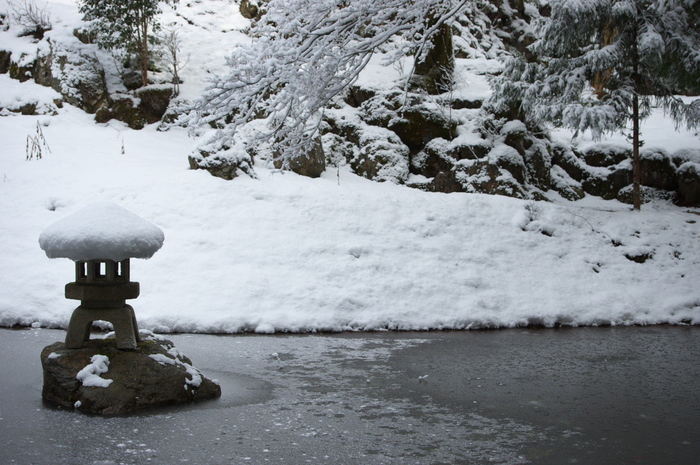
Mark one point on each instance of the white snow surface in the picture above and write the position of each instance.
(90, 375)
(289, 253)
(102, 230)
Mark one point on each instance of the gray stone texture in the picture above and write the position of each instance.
(154, 374)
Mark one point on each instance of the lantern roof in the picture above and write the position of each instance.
(101, 231)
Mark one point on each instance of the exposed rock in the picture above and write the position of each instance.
(606, 155)
(374, 152)
(657, 170)
(445, 182)
(433, 74)
(417, 127)
(148, 108)
(689, 184)
(357, 95)
(224, 163)
(479, 176)
(132, 79)
(311, 164)
(22, 71)
(569, 161)
(509, 159)
(565, 185)
(461, 103)
(416, 124)
(154, 102)
(470, 151)
(538, 166)
(252, 9)
(626, 195)
(515, 133)
(5, 61)
(382, 157)
(608, 184)
(154, 374)
(433, 159)
(639, 256)
(122, 109)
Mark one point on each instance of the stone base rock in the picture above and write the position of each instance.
(114, 381)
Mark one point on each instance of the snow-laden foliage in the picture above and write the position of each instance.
(602, 63)
(124, 24)
(304, 53)
(595, 56)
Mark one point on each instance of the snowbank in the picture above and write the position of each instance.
(287, 253)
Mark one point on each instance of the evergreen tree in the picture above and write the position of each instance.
(124, 24)
(601, 64)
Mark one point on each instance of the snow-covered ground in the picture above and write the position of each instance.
(288, 253)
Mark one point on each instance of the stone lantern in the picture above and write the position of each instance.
(101, 239)
(102, 286)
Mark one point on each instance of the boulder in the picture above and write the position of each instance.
(506, 157)
(356, 95)
(122, 109)
(609, 184)
(310, 163)
(566, 186)
(479, 176)
(148, 108)
(538, 166)
(418, 126)
(415, 123)
(569, 161)
(626, 194)
(434, 159)
(382, 156)
(154, 102)
(657, 170)
(606, 155)
(689, 185)
(224, 163)
(101, 379)
(252, 9)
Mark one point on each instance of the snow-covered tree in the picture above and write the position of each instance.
(601, 64)
(305, 52)
(125, 24)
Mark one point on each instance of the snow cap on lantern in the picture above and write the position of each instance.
(101, 231)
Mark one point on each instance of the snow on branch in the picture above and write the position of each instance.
(304, 53)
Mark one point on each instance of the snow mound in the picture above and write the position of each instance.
(102, 231)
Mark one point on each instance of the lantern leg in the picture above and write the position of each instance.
(78, 329)
(122, 318)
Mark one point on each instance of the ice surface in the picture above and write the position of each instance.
(103, 231)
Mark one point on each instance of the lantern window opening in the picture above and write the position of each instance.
(81, 271)
(102, 270)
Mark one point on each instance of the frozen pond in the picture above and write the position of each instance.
(543, 396)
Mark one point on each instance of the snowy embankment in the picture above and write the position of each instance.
(288, 253)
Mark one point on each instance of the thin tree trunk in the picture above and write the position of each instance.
(143, 48)
(636, 165)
